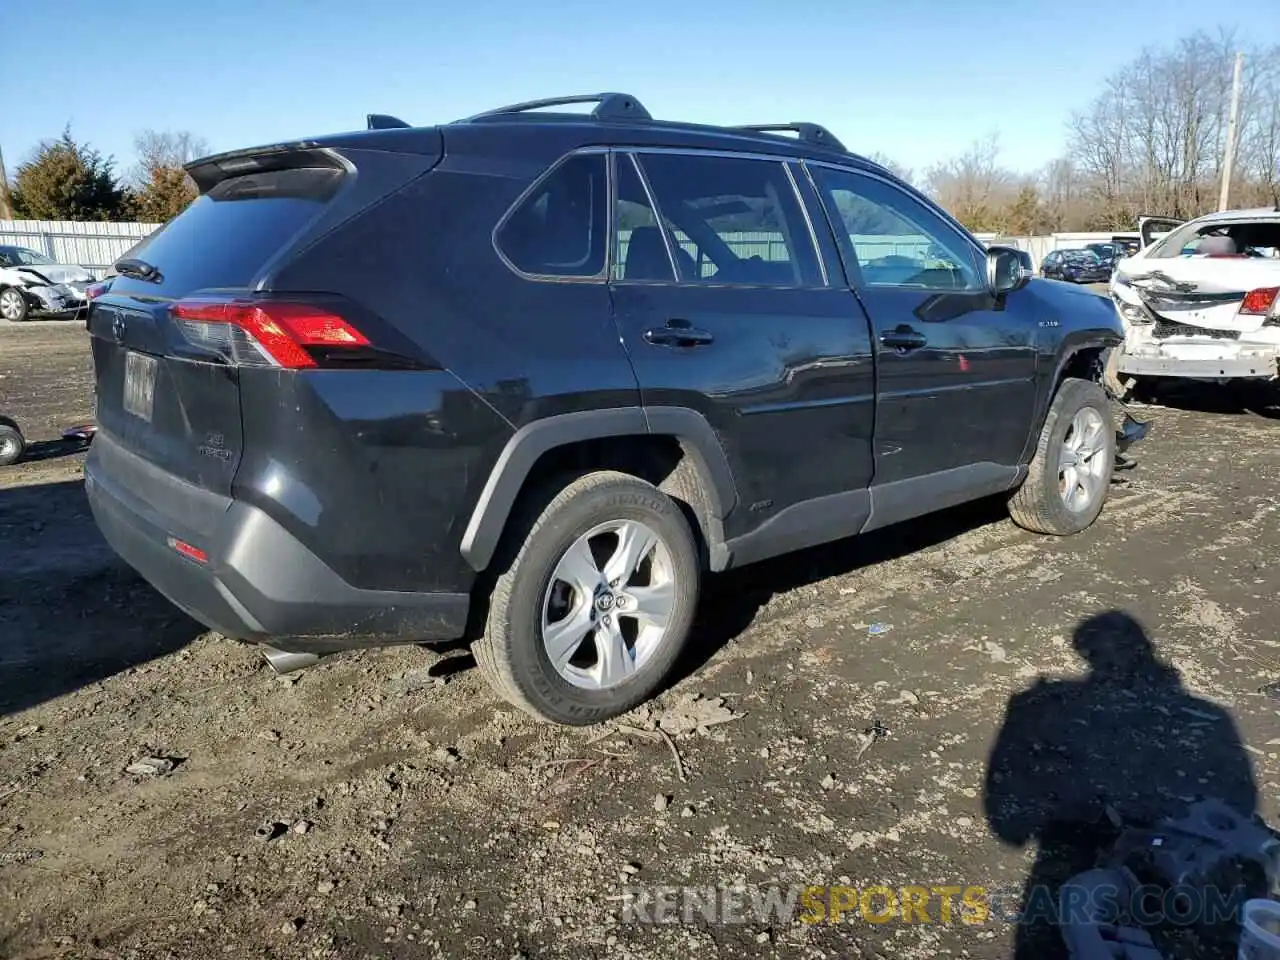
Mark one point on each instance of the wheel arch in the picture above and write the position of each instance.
(600, 437)
(1079, 354)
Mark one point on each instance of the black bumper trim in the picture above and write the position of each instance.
(260, 583)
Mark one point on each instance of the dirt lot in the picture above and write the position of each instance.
(864, 687)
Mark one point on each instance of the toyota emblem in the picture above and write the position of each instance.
(117, 327)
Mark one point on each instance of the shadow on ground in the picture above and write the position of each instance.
(1126, 742)
(70, 613)
(1260, 398)
(731, 601)
(43, 450)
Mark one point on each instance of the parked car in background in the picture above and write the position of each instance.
(32, 283)
(1203, 301)
(1108, 253)
(542, 429)
(1076, 266)
(1126, 245)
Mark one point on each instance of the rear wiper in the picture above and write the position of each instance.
(139, 270)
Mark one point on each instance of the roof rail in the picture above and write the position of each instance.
(609, 106)
(384, 121)
(809, 132)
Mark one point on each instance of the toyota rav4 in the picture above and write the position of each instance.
(526, 378)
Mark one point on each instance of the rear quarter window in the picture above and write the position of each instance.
(227, 235)
(559, 228)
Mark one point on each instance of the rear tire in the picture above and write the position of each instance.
(13, 305)
(12, 445)
(559, 584)
(1069, 476)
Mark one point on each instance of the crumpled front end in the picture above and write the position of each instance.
(54, 298)
(1182, 329)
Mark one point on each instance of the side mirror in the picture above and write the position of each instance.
(1008, 269)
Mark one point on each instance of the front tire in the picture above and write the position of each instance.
(13, 305)
(594, 608)
(1069, 476)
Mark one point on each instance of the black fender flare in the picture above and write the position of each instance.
(520, 453)
(1073, 344)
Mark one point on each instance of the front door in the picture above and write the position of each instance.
(956, 365)
(724, 306)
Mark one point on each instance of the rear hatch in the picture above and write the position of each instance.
(191, 307)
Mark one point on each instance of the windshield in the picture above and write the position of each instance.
(1103, 249)
(23, 257)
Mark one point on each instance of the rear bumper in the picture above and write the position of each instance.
(260, 583)
(1261, 366)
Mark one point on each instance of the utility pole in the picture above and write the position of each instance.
(6, 208)
(1224, 197)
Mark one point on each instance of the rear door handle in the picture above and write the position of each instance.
(904, 339)
(678, 333)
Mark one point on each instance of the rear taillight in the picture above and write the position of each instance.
(94, 290)
(1258, 303)
(264, 333)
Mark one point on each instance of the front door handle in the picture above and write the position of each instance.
(678, 333)
(904, 339)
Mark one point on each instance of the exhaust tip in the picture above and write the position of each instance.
(282, 661)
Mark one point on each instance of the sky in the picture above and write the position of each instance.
(916, 80)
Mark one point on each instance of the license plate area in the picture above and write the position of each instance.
(139, 384)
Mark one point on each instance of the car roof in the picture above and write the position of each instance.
(1236, 216)
(618, 119)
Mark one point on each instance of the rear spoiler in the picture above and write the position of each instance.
(208, 172)
(327, 151)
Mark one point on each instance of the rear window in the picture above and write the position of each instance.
(226, 236)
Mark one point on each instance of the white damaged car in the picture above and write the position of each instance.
(1203, 300)
(32, 283)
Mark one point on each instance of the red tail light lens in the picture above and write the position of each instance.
(94, 290)
(1259, 302)
(264, 333)
(188, 551)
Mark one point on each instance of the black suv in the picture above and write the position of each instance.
(524, 377)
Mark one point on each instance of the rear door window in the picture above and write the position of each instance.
(227, 235)
(559, 228)
(738, 220)
(640, 248)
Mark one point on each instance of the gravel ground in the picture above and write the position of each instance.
(947, 702)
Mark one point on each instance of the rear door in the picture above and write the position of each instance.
(956, 366)
(724, 305)
(162, 394)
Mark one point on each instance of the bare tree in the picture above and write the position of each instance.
(170, 149)
(974, 186)
(161, 188)
(897, 169)
(1154, 138)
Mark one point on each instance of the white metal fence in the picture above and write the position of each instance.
(93, 245)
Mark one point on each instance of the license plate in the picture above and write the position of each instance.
(139, 384)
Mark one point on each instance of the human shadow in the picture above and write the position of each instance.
(1126, 743)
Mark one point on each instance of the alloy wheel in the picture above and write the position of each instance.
(608, 603)
(1082, 463)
